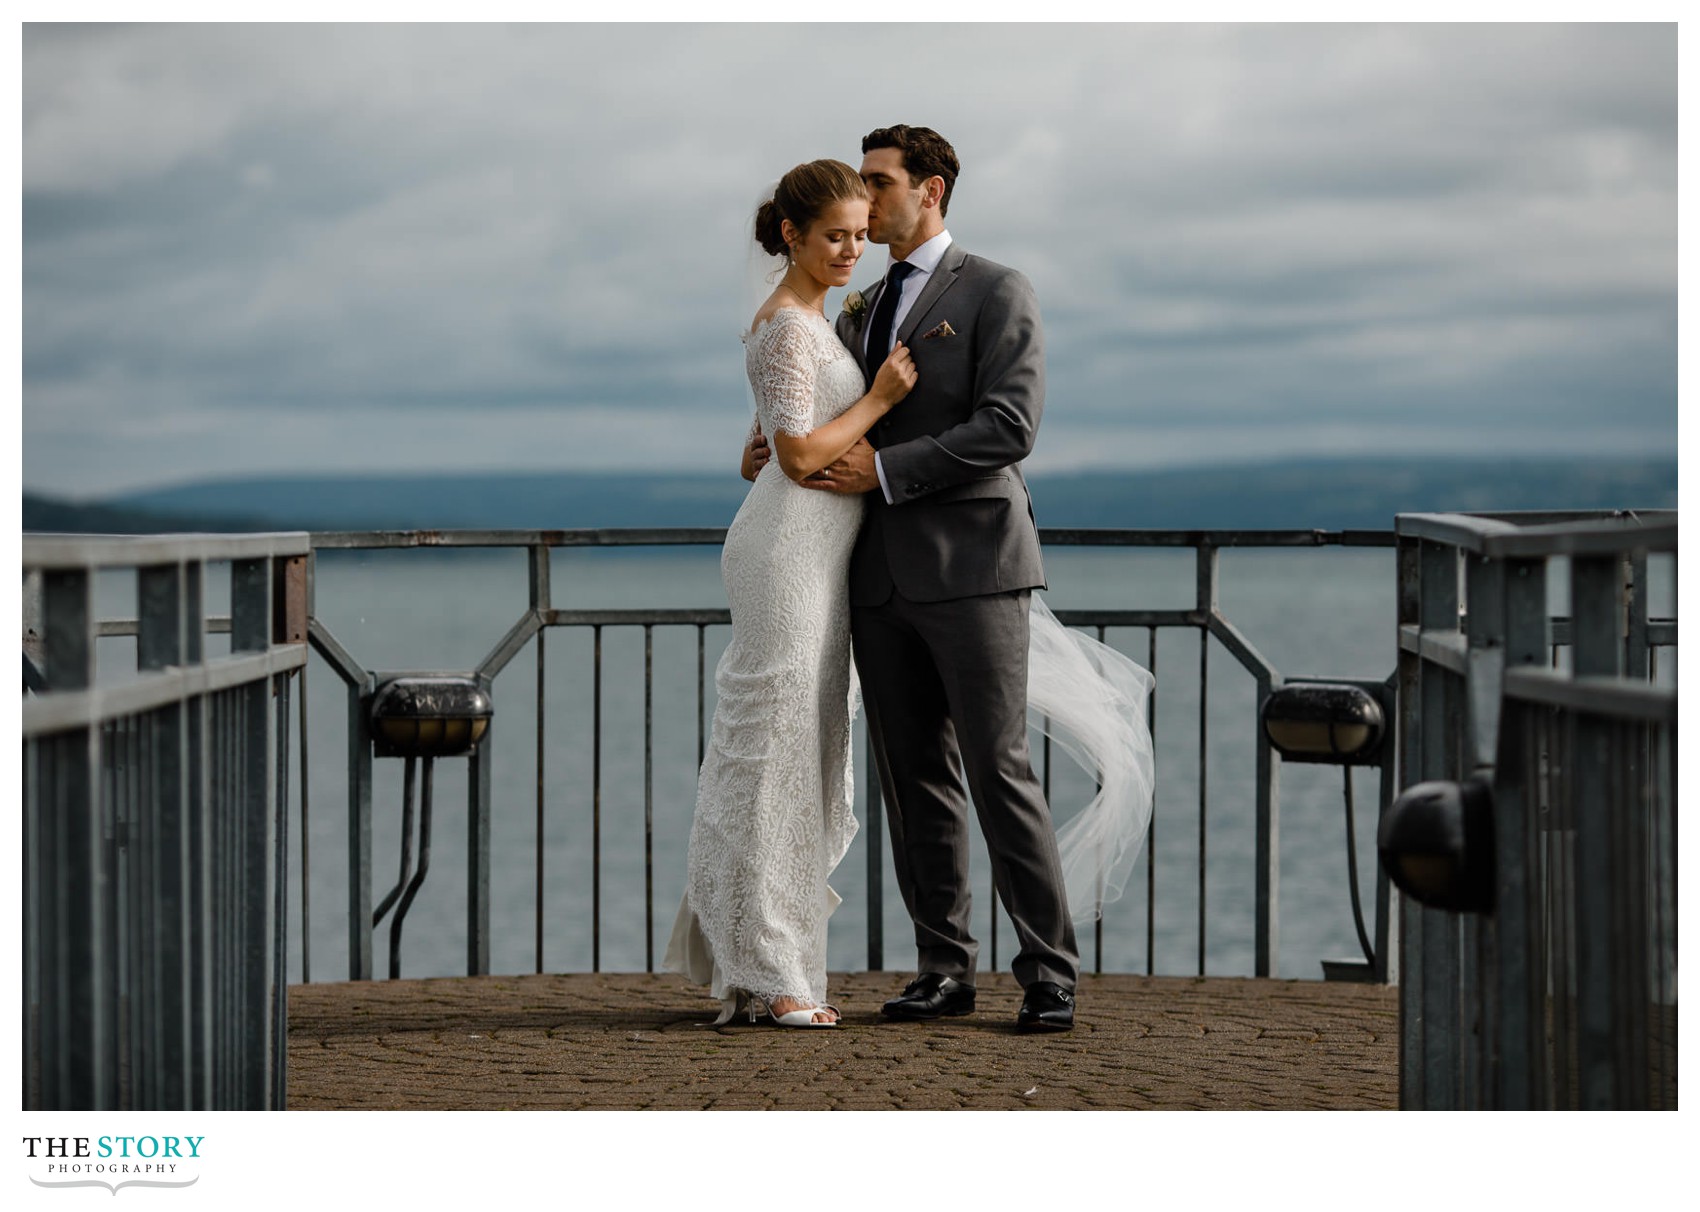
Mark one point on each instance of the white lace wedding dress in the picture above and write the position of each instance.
(773, 814)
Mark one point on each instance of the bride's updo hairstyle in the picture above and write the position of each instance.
(802, 194)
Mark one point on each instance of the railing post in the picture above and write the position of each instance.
(198, 830)
(537, 565)
(874, 834)
(1480, 942)
(1519, 960)
(478, 847)
(1268, 843)
(76, 1018)
(161, 642)
(359, 832)
(255, 898)
(1438, 930)
(1597, 608)
(1386, 969)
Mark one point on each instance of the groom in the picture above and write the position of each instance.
(939, 586)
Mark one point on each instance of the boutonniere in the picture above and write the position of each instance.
(856, 307)
(943, 330)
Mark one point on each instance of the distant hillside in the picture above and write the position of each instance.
(72, 517)
(1323, 494)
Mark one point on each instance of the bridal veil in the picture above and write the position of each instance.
(1091, 701)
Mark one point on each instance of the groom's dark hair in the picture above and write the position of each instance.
(925, 154)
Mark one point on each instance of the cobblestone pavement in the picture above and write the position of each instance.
(637, 1041)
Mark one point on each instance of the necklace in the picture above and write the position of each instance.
(802, 300)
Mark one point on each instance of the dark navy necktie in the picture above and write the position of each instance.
(879, 336)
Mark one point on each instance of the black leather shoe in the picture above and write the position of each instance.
(931, 995)
(1047, 1007)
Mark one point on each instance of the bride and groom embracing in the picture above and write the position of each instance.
(889, 516)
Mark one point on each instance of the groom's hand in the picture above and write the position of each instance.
(756, 455)
(852, 472)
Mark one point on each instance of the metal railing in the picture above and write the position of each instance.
(1204, 617)
(1555, 986)
(154, 827)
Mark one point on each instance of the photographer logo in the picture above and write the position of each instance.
(113, 1162)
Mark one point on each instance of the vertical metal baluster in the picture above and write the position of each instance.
(1151, 832)
(1667, 961)
(218, 857)
(117, 906)
(236, 903)
(277, 990)
(648, 797)
(1561, 894)
(209, 916)
(83, 1057)
(541, 734)
(311, 603)
(874, 833)
(480, 799)
(198, 756)
(1098, 925)
(33, 935)
(1596, 612)
(1634, 891)
(541, 604)
(306, 871)
(702, 629)
(225, 901)
(596, 808)
(139, 925)
(1537, 831)
(153, 1019)
(1203, 782)
(251, 602)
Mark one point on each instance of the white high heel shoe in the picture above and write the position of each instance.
(741, 1002)
(805, 1017)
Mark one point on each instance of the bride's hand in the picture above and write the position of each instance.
(896, 376)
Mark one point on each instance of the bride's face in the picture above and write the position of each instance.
(829, 249)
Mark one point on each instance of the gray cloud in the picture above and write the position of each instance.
(277, 248)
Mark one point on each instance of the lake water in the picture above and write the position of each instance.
(1325, 612)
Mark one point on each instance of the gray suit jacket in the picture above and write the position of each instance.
(951, 450)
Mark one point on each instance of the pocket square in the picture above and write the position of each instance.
(943, 330)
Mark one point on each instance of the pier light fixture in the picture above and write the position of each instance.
(1334, 722)
(421, 717)
(1436, 843)
(429, 716)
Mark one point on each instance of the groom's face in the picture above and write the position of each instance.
(894, 201)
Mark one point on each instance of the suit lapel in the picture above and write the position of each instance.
(938, 282)
(855, 335)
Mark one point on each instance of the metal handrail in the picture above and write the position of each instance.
(1541, 534)
(1551, 987)
(1204, 616)
(154, 824)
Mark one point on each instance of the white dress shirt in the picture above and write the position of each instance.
(925, 260)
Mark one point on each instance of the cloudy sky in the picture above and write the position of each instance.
(255, 249)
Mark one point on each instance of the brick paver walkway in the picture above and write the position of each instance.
(636, 1041)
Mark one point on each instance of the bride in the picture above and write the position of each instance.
(773, 813)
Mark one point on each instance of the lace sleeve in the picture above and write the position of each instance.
(784, 378)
